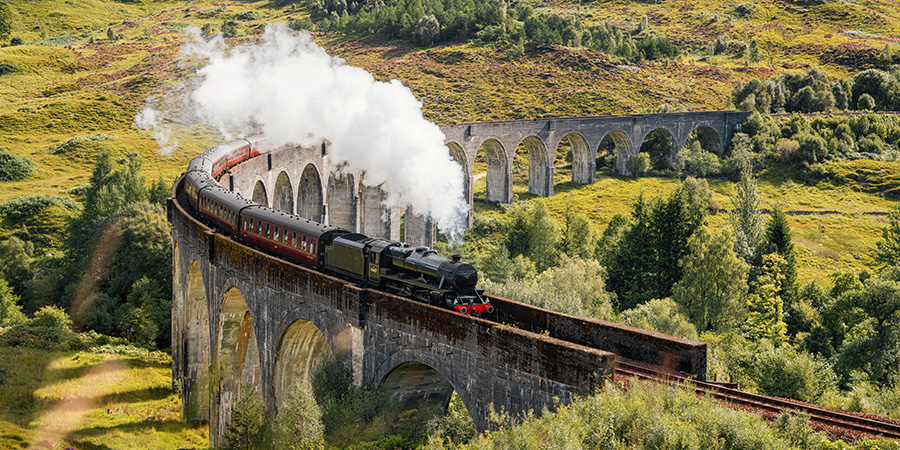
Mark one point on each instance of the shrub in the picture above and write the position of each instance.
(52, 317)
(16, 41)
(15, 168)
(24, 207)
(785, 372)
(7, 68)
(638, 164)
(248, 16)
(865, 103)
(80, 144)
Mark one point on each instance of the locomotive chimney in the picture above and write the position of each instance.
(456, 257)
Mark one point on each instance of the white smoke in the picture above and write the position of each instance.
(290, 89)
(151, 119)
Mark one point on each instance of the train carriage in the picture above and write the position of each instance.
(222, 207)
(293, 236)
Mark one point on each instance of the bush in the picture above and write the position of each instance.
(52, 317)
(16, 41)
(15, 168)
(27, 206)
(80, 144)
(785, 372)
(7, 68)
(638, 164)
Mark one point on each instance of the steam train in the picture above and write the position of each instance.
(414, 272)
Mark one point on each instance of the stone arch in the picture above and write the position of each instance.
(342, 195)
(196, 347)
(309, 194)
(497, 177)
(416, 384)
(617, 143)
(459, 156)
(283, 196)
(709, 138)
(301, 347)
(583, 165)
(259, 194)
(661, 144)
(238, 354)
(540, 169)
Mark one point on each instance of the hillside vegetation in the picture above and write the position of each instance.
(81, 225)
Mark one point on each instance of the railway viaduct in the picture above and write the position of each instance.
(541, 139)
(241, 317)
(298, 181)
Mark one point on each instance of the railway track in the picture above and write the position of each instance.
(841, 424)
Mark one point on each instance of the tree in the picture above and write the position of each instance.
(714, 283)
(427, 29)
(638, 164)
(298, 425)
(778, 234)
(865, 103)
(749, 234)
(766, 308)
(645, 262)
(244, 432)
(874, 335)
(887, 249)
(10, 310)
(535, 234)
(662, 316)
(15, 263)
(579, 238)
(5, 21)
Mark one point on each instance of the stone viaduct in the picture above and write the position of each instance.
(541, 139)
(242, 317)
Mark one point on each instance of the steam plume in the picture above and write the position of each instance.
(293, 91)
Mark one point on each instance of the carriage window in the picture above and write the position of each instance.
(245, 224)
(284, 239)
(312, 246)
(294, 240)
(275, 236)
(303, 244)
(267, 231)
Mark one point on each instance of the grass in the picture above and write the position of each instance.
(90, 401)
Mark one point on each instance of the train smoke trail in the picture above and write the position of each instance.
(293, 91)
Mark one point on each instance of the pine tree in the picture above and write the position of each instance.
(298, 425)
(244, 432)
(778, 233)
(749, 233)
(765, 318)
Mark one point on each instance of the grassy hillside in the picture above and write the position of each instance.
(90, 400)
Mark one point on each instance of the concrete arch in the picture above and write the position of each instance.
(237, 353)
(709, 138)
(309, 194)
(259, 194)
(342, 198)
(419, 381)
(283, 196)
(301, 347)
(498, 188)
(540, 168)
(196, 347)
(583, 163)
(664, 152)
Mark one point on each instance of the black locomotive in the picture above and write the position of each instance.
(415, 272)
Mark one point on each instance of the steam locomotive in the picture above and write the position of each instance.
(414, 272)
